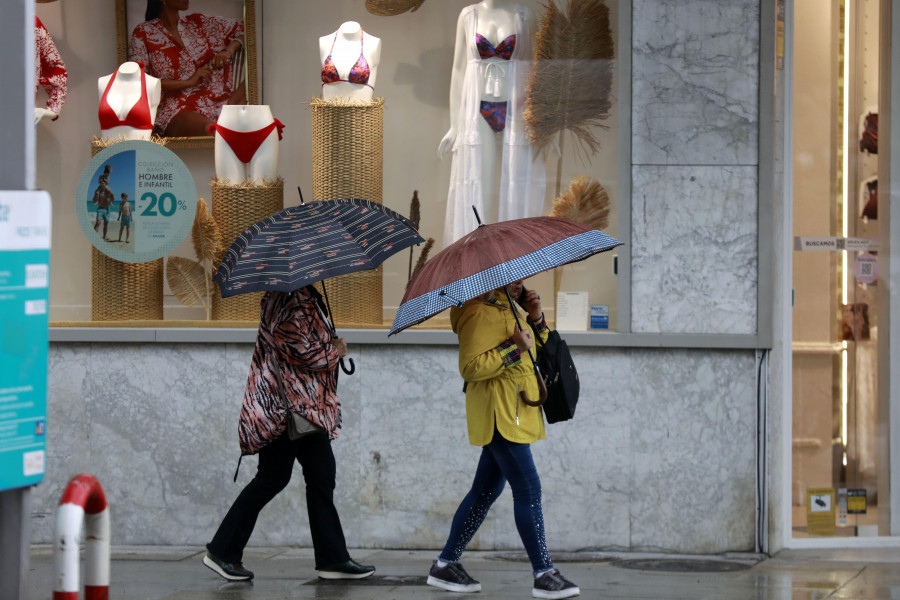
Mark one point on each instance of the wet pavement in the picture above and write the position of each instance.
(176, 573)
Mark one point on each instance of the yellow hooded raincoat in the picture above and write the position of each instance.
(495, 372)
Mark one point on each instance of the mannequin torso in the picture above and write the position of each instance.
(496, 21)
(496, 24)
(487, 89)
(348, 49)
(263, 161)
(120, 94)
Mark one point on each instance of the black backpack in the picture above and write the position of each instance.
(559, 373)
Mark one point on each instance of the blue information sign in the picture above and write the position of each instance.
(24, 301)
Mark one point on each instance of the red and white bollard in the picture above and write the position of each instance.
(83, 502)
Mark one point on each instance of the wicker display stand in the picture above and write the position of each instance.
(124, 291)
(234, 208)
(348, 146)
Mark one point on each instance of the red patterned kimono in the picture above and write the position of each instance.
(204, 36)
(49, 69)
(292, 333)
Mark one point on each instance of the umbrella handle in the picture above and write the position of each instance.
(542, 390)
(352, 368)
(542, 387)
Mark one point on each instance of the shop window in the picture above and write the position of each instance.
(560, 69)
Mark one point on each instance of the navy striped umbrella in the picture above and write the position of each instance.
(493, 256)
(310, 242)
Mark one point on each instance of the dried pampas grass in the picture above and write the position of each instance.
(584, 201)
(205, 235)
(415, 210)
(415, 215)
(188, 279)
(423, 258)
(570, 84)
(191, 280)
(247, 183)
(342, 102)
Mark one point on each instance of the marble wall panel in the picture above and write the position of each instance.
(694, 250)
(68, 432)
(157, 412)
(585, 463)
(695, 82)
(415, 461)
(656, 433)
(693, 451)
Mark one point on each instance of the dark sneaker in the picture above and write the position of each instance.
(452, 578)
(230, 571)
(552, 585)
(346, 570)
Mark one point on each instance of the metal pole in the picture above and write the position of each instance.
(16, 173)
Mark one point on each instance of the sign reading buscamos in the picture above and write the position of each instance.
(136, 201)
(835, 243)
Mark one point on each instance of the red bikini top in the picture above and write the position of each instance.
(139, 115)
(358, 74)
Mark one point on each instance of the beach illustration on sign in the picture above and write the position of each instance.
(111, 201)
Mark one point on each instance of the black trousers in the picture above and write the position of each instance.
(276, 461)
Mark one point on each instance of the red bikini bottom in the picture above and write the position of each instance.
(244, 144)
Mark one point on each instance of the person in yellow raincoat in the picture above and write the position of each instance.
(500, 377)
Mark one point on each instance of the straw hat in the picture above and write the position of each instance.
(389, 8)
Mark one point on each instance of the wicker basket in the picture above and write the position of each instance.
(234, 208)
(124, 291)
(348, 146)
(348, 162)
(355, 299)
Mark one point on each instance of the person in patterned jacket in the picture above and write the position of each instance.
(294, 344)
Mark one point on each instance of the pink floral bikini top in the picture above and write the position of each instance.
(358, 74)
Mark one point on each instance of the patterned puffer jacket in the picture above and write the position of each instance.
(294, 336)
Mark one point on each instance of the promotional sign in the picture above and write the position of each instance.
(136, 201)
(865, 268)
(24, 300)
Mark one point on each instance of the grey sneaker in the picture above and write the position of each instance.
(452, 578)
(230, 571)
(552, 586)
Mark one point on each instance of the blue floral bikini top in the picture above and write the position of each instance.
(503, 50)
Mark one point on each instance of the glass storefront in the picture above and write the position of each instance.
(279, 65)
(839, 438)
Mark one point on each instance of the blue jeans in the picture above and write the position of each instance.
(502, 460)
